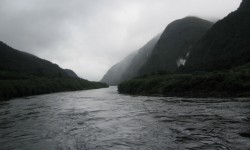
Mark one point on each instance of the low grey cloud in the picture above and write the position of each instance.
(89, 36)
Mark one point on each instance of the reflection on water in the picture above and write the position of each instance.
(103, 119)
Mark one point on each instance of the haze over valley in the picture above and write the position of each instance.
(88, 36)
(125, 75)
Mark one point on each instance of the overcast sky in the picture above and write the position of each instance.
(89, 36)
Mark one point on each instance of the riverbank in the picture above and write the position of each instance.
(228, 83)
(14, 85)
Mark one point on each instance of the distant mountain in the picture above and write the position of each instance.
(141, 57)
(114, 74)
(71, 73)
(225, 45)
(175, 44)
(22, 62)
(129, 67)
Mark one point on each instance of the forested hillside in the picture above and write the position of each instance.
(216, 65)
(23, 74)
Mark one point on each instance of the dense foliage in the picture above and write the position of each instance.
(14, 84)
(233, 82)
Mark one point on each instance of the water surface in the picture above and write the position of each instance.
(105, 120)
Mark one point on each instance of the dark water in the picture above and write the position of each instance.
(102, 119)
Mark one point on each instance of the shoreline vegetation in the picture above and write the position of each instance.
(14, 85)
(226, 83)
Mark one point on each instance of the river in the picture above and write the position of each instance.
(102, 119)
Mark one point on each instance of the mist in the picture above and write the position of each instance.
(91, 36)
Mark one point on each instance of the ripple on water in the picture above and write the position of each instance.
(103, 119)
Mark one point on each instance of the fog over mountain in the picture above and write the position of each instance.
(216, 65)
(130, 66)
(91, 36)
(175, 44)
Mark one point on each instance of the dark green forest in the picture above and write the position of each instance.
(14, 85)
(226, 83)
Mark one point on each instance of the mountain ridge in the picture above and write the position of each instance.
(23, 74)
(218, 64)
(225, 45)
(143, 62)
(23, 62)
(175, 44)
